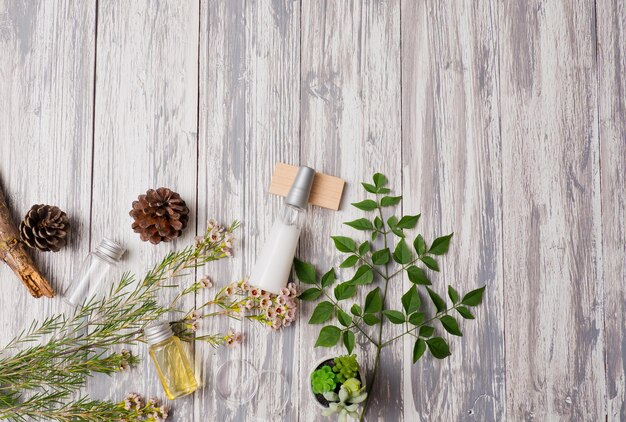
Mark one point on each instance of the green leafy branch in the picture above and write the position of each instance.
(384, 264)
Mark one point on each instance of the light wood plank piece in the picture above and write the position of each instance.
(451, 162)
(46, 112)
(350, 128)
(145, 137)
(325, 192)
(551, 204)
(611, 65)
(222, 175)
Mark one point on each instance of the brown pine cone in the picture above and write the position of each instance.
(160, 215)
(45, 227)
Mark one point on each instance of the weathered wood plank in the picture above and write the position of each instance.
(451, 164)
(350, 128)
(46, 116)
(145, 137)
(611, 65)
(272, 134)
(222, 171)
(551, 221)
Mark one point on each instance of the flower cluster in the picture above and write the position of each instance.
(274, 311)
(220, 239)
(127, 360)
(151, 411)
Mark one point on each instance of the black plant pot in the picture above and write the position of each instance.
(319, 398)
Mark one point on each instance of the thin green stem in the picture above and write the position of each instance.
(410, 330)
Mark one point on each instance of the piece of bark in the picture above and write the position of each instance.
(13, 252)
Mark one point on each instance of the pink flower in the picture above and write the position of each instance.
(282, 299)
(292, 289)
(245, 285)
(195, 315)
(233, 338)
(255, 292)
(279, 310)
(285, 291)
(265, 302)
(206, 282)
(291, 314)
(230, 290)
(270, 313)
(195, 325)
(249, 304)
(276, 324)
(266, 294)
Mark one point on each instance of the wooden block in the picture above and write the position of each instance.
(326, 190)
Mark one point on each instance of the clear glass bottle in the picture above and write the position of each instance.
(170, 360)
(93, 272)
(273, 266)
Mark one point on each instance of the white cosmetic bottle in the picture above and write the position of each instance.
(273, 266)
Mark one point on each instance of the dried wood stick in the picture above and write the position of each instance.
(13, 252)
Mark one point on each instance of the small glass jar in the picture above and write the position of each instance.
(170, 360)
(93, 272)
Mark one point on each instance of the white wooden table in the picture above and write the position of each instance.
(502, 121)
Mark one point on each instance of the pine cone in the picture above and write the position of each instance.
(45, 227)
(160, 215)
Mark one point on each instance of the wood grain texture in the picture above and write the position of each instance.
(611, 65)
(551, 221)
(350, 127)
(501, 121)
(145, 137)
(46, 116)
(451, 164)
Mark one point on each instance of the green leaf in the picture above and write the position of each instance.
(381, 257)
(453, 294)
(450, 325)
(344, 244)
(371, 319)
(378, 223)
(310, 294)
(370, 188)
(417, 276)
(348, 340)
(440, 304)
(383, 191)
(356, 310)
(408, 221)
(430, 263)
(420, 245)
(416, 318)
(344, 291)
(329, 336)
(474, 298)
(440, 245)
(379, 180)
(363, 275)
(395, 317)
(349, 262)
(426, 331)
(364, 248)
(360, 224)
(344, 318)
(373, 302)
(374, 235)
(411, 300)
(438, 347)
(304, 271)
(418, 349)
(366, 205)
(402, 254)
(322, 312)
(328, 278)
(392, 222)
(389, 201)
(465, 313)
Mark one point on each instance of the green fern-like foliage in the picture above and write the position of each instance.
(346, 367)
(323, 380)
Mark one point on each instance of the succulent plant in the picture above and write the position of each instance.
(346, 403)
(323, 380)
(345, 367)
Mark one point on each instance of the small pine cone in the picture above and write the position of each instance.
(45, 227)
(160, 215)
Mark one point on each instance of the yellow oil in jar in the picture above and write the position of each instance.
(173, 368)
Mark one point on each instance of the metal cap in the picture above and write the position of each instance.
(110, 249)
(157, 332)
(298, 195)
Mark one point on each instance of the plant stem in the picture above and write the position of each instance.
(410, 330)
